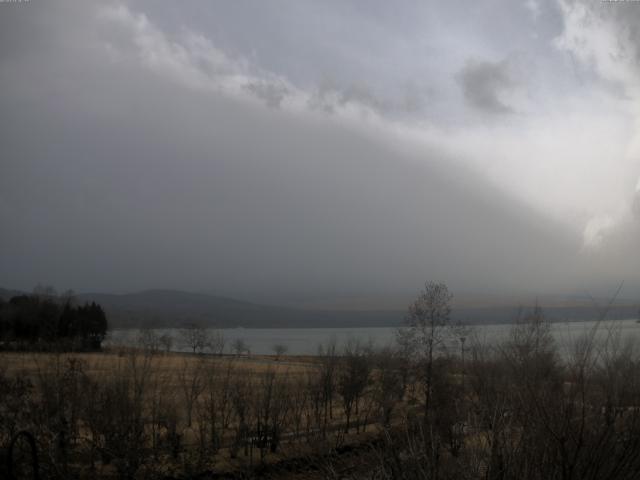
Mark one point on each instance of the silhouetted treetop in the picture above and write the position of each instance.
(46, 318)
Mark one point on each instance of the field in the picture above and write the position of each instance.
(515, 410)
(155, 414)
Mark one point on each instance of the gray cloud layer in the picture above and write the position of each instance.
(141, 153)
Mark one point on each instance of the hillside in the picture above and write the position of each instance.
(170, 308)
(174, 308)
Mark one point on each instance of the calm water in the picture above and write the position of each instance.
(302, 341)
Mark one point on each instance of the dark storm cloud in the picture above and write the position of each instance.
(138, 153)
(484, 82)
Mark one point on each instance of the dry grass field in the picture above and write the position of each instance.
(129, 410)
(516, 410)
(113, 360)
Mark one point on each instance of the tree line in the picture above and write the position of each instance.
(46, 320)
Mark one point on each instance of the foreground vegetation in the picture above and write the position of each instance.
(517, 410)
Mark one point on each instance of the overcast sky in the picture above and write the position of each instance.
(291, 148)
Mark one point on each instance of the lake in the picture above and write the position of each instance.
(305, 341)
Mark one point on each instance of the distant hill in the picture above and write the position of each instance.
(7, 294)
(174, 308)
(171, 308)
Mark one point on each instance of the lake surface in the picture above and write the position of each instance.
(305, 341)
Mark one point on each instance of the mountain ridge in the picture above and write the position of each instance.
(174, 308)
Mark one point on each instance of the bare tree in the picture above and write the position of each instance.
(427, 319)
(217, 342)
(271, 405)
(166, 341)
(279, 349)
(353, 378)
(148, 340)
(192, 384)
(240, 346)
(240, 400)
(327, 379)
(388, 385)
(195, 337)
(216, 409)
(299, 402)
(114, 413)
